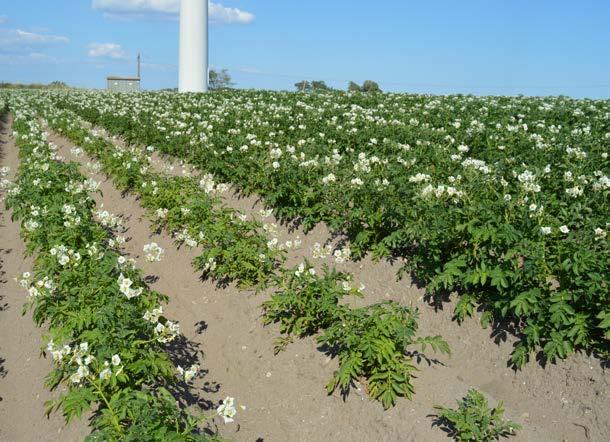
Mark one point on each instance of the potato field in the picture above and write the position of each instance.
(251, 265)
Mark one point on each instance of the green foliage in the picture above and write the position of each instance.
(374, 344)
(474, 420)
(311, 86)
(106, 355)
(460, 186)
(52, 85)
(156, 419)
(304, 303)
(444, 183)
(503, 200)
(233, 250)
(354, 87)
(303, 86)
(319, 85)
(370, 86)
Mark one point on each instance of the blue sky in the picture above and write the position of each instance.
(543, 47)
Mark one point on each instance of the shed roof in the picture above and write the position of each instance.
(124, 78)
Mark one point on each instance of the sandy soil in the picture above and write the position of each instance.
(284, 395)
(22, 371)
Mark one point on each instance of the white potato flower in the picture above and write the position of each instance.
(154, 253)
(105, 374)
(227, 410)
(188, 374)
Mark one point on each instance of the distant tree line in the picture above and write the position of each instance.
(368, 86)
(52, 85)
(311, 86)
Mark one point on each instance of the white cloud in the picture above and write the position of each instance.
(107, 50)
(137, 8)
(222, 14)
(3, 18)
(17, 39)
(166, 9)
(33, 38)
(18, 47)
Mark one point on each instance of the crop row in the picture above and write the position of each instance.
(374, 343)
(106, 329)
(503, 200)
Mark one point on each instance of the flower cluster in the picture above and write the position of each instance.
(108, 219)
(227, 410)
(184, 237)
(65, 256)
(304, 268)
(166, 332)
(125, 287)
(208, 184)
(188, 374)
(153, 252)
(342, 255)
(320, 252)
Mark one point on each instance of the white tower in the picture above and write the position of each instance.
(193, 46)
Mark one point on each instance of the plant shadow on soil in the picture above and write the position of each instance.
(443, 424)
(221, 283)
(3, 372)
(185, 353)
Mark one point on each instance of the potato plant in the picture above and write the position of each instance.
(503, 200)
(374, 344)
(108, 351)
(304, 303)
(233, 249)
(475, 420)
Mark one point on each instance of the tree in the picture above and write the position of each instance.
(319, 85)
(353, 87)
(370, 86)
(303, 86)
(311, 86)
(58, 85)
(220, 79)
(367, 86)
